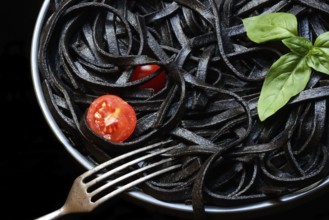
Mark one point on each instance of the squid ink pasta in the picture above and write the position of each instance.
(207, 107)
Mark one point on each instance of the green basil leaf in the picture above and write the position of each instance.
(318, 60)
(299, 45)
(323, 41)
(273, 26)
(287, 77)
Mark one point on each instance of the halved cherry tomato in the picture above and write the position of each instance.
(112, 118)
(157, 83)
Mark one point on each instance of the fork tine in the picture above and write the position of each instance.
(125, 165)
(134, 183)
(128, 175)
(122, 157)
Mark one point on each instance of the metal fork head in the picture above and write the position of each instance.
(98, 185)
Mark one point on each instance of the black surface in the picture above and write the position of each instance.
(36, 171)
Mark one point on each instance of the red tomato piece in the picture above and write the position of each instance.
(112, 118)
(157, 83)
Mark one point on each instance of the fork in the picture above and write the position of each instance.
(91, 189)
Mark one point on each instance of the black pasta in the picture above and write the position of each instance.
(208, 106)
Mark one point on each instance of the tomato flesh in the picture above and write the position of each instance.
(157, 83)
(112, 118)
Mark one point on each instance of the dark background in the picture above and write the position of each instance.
(36, 171)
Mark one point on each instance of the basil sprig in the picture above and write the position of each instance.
(289, 75)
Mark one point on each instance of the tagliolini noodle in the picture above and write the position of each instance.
(208, 106)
